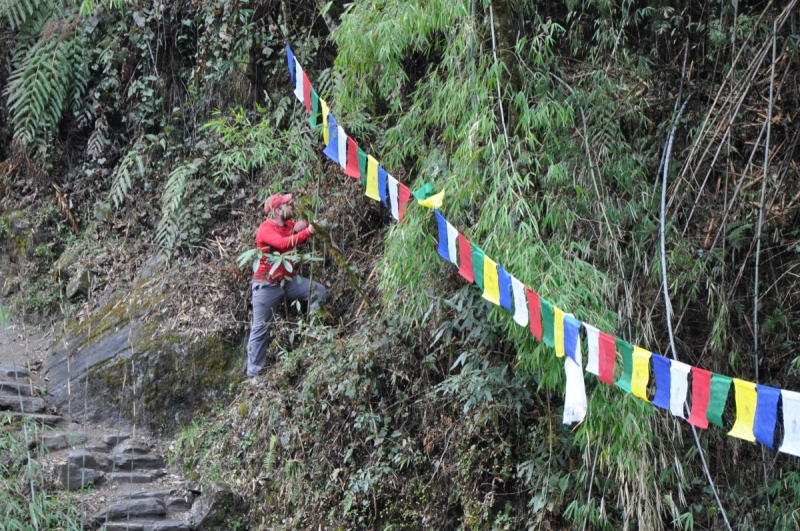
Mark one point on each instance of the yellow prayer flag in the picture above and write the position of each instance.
(746, 397)
(434, 201)
(641, 372)
(372, 179)
(325, 112)
(558, 331)
(491, 283)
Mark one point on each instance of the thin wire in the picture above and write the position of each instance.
(667, 305)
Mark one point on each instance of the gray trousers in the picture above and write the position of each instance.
(266, 300)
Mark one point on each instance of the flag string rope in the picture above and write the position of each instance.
(756, 405)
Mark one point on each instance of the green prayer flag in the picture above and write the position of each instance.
(424, 192)
(626, 349)
(314, 108)
(548, 322)
(362, 166)
(720, 385)
(477, 265)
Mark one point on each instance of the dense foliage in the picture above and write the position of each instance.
(547, 124)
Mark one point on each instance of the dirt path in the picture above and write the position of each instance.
(23, 346)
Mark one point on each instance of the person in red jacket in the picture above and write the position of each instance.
(279, 233)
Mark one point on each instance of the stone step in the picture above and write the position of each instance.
(52, 442)
(38, 418)
(114, 439)
(136, 461)
(29, 403)
(170, 525)
(12, 387)
(83, 458)
(158, 525)
(156, 494)
(131, 447)
(130, 477)
(14, 372)
(131, 509)
(73, 477)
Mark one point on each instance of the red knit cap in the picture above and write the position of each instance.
(274, 201)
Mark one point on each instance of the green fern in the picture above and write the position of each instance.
(18, 12)
(173, 213)
(132, 165)
(270, 458)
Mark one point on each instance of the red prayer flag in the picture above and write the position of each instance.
(352, 159)
(607, 357)
(465, 258)
(701, 393)
(307, 93)
(403, 195)
(534, 313)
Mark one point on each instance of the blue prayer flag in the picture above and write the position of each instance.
(442, 224)
(661, 370)
(504, 282)
(290, 59)
(766, 414)
(382, 188)
(572, 329)
(332, 149)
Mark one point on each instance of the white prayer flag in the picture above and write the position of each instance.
(393, 197)
(342, 145)
(452, 244)
(575, 396)
(520, 302)
(791, 423)
(593, 360)
(678, 387)
(298, 74)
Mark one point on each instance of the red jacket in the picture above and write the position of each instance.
(271, 238)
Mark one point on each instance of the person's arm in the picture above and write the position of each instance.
(277, 241)
(300, 225)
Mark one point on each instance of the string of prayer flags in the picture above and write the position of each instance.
(546, 312)
(520, 303)
(312, 120)
(307, 93)
(607, 345)
(745, 409)
(791, 423)
(593, 357)
(477, 266)
(290, 59)
(575, 404)
(362, 166)
(626, 349)
(558, 331)
(678, 387)
(452, 245)
(351, 168)
(342, 147)
(661, 373)
(766, 414)
(720, 385)
(332, 147)
(641, 372)
(491, 284)
(572, 338)
(423, 192)
(504, 282)
(299, 78)
(534, 313)
(434, 201)
(403, 197)
(465, 259)
(442, 248)
(372, 178)
(382, 176)
(325, 113)
(701, 383)
(393, 192)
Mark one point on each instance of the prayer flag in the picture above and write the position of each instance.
(465, 258)
(791, 423)
(452, 245)
(403, 196)
(641, 372)
(423, 192)
(332, 148)
(678, 387)
(701, 381)
(362, 168)
(558, 331)
(766, 415)
(572, 337)
(661, 372)
(312, 120)
(608, 357)
(534, 313)
(477, 266)
(491, 285)
(520, 304)
(307, 93)
(745, 409)
(434, 201)
(593, 357)
(372, 178)
(546, 311)
(392, 193)
(575, 395)
(351, 168)
(382, 175)
(441, 224)
(290, 60)
(719, 395)
(504, 281)
(342, 145)
(298, 76)
(626, 349)
(325, 112)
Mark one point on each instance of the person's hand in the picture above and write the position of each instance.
(311, 229)
(300, 225)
